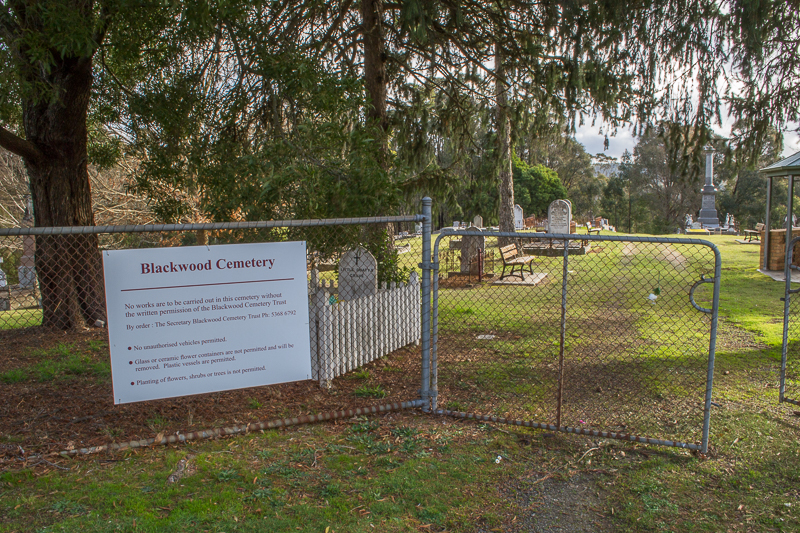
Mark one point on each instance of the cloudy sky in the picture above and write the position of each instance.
(592, 141)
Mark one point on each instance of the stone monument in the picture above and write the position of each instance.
(519, 219)
(708, 212)
(5, 300)
(27, 263)
(559, 217)
(473, 244)
(358, 274)
(477, 221)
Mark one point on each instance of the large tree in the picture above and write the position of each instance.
(46, 60)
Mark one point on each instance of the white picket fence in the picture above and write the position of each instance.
(348, 334)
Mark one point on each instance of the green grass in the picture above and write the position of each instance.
(362, 479)
(20, 318)
(421, 473)
(61, 362)
(370, 391)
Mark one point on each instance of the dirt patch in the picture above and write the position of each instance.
(548, 505)
(74, 408)
(664, 252)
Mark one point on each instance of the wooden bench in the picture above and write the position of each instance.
(590, 229)
(751, 235)
(512, 258)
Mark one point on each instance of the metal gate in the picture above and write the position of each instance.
(599, 335)
(790, 352)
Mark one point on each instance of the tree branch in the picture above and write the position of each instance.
(103, 20)
(19, 146)
(9, 29)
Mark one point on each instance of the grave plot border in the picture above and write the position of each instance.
(563, 239)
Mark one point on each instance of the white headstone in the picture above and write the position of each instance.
(456, 224)
(477, 221)
(473, 243)
(418, 227)
(559, 216)
(358, 274)
(519, 219)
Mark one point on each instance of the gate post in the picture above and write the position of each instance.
(425, 389)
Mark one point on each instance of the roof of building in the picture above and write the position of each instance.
(789, 166)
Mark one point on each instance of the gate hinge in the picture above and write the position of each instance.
(433, 265)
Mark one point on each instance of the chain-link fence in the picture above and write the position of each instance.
(790, 353)
(607, 336)
(365, 338)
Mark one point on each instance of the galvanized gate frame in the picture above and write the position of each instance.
(431, 394)
(788, 291)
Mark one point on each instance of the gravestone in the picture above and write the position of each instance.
(418, 228)
(477, 221)
(519, 219)
(456, 224)
(26, 269)
(358, 274)
(473, 244)
(559, 217)
(5, 300)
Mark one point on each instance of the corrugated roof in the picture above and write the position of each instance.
(784, 167)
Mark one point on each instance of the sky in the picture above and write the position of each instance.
(592, 141)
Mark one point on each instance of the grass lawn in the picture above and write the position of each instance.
(413, 472)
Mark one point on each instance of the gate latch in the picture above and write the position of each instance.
(703, 279)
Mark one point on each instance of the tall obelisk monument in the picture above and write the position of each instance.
(708, 212)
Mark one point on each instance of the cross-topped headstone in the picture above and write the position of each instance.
(358, 274)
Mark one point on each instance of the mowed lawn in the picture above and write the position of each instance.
(414, 472)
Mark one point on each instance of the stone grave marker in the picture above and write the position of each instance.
(519, 218)
(26, 269)
(473, 243)
(5, 298)
(358, 274)
(477, 221)
(559, 216)
(418, 228)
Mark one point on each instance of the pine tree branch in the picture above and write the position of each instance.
(103, 21)
(19, 146)
(9, 29)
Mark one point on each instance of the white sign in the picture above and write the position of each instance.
(203, 319)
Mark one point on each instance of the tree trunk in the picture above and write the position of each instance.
(68, 267)
(375, 84)
(505, 177)
(375, 72)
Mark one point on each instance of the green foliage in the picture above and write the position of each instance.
(535, 187)
(14, 375)
(370, 391)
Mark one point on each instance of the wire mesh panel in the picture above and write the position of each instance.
(365, 338)
(790, 360)
(600, 335)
